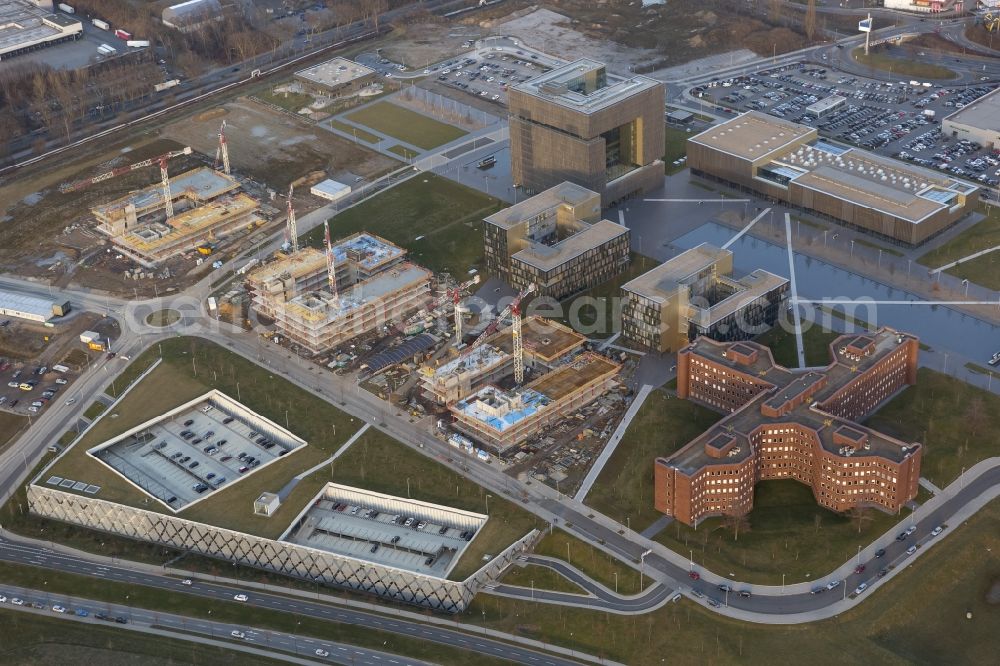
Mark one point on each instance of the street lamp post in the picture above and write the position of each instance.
(616, 581)
(488, 496)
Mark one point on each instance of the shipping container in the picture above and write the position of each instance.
(166, 84)
(482, 455)
(212, 305)
(66, 8)
(103, 25)
(96, 345)
(137, 43)
(121, 34)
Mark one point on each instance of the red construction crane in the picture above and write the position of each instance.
(513, 309)
(161, 160)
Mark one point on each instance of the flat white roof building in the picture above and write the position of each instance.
(31, 308)
(978, 121)
(330, 190)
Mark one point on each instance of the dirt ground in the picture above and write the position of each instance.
(631, 38)
(422, 44)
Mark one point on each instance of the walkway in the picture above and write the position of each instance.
(287, 489)
(612, 444)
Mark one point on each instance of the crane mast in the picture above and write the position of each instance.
(331, 269)
(456, 295)
(495, 324)
(518, 347)
(223, 149)
(292, 228)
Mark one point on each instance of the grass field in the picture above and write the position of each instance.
(917, 618)
(365, 465)
(446, 218)
(225, 611)
(879, 246)
(403, 152)
(597, 312)
(955, 422)
(624, 489)
(983, 235)
(10, 427)
(289, 101)
(356, 132)
(901, 67)
(191, 367)
(789, 533)
(674, 147)
(540, 578)
(408, 126)
(47, 641)
(595, 563)
(163, 317)
(815, 344)
(96, 409)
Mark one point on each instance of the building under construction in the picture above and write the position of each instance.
(320, 300)
(502, 419)
(205, 205)
(545, 343)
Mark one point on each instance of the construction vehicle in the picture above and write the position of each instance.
(991, 21)
(206, 248)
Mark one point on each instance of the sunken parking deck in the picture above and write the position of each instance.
(400, 533)
(196, 449)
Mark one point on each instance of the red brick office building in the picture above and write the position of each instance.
(783, 424)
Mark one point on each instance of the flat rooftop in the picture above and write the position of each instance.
(191, 452)
(565, 193)
(571, 86)
(501, 410)
(201, 185)
(790, 153)
(753, 135)
(479, 360)
(24, 24)
(662, 282)
(983, 113)
(22, 303)
(320, 307)
(372, 527)
(581, 371)
(307, 261)
(548, 257)
(334, 73)
(747, 289)
(367, 250)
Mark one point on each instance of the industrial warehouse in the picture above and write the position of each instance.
(783, 424)
(134, 485)
(31, 308)
(557, 241)
(320, 300)
(24, 27)
(789, 162)
(694, 295)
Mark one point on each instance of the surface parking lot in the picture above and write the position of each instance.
(193, 453)
(402, 540)
(488, 76)
(28, 389)
(900, 119)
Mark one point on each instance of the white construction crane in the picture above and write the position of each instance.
(331, 269)
(456, 296)
(513, 310)
(161, 160)
(222, 150)
(291, 228)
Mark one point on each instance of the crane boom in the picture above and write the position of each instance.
(495, 324)
(292, 226)
(114, 173)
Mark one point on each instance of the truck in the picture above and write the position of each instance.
(206, 248)
(98, 23)
(60, 368)
(106, 49)
(212, 305)
(66, 8)
(928, 113)
(166, 84)
(121, 34)
(137, 43)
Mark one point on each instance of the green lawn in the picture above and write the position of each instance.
(224, 610)
(174, 382)
(289, 101)
(163, 317)
(674, 147)
(955, 422)
(351, 130)
(48, 641)
(901, 67)
(879, 246)
(437, 220)
(409, 126)
(597, 312)
(10, 427)
(815, 343)
(540, 578)
(984, 234)
(664, 424)
(789, 533)
(592, 561)
(365, 465)
(917, 618)
(96, 409)
(403, 152)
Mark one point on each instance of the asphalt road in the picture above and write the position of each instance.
(29, 554)
(275, 644)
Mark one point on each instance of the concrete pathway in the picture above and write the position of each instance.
(929, 486)
(964, 259)
(612, 444)
(656, 527)
(287, 489)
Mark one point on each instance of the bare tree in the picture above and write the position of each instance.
(810, 20)
(774, 11)
(737, 524)
(861, 516)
